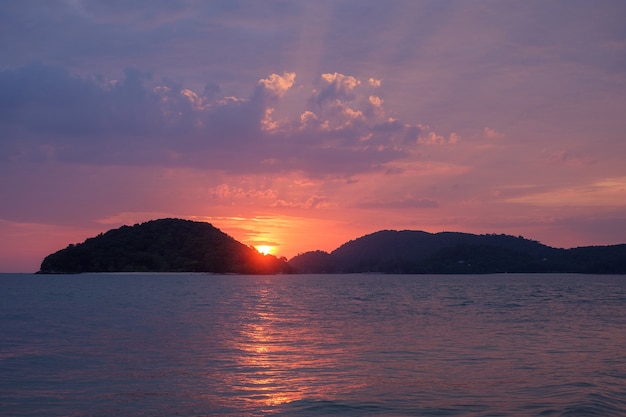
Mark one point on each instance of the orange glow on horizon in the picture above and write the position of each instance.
(282, 235)
(265, 249)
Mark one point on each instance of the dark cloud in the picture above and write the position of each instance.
(49, 100)
(336, 87)
(137, 121)
(188, 39)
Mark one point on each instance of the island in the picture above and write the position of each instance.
(418, 252)
(164, 245)
(176, 245)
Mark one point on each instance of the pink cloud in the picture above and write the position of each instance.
(132, 123)
(409, 201)
(493, 134)
(278, 85)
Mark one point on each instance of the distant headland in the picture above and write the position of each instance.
(164, 245)
(176, 245)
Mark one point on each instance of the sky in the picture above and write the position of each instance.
(303, 125)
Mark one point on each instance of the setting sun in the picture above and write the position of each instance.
(265, 249)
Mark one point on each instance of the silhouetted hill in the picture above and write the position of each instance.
(165, 245)
(314, 262)
(407, 251)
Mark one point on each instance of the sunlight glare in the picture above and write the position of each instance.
(265, 249)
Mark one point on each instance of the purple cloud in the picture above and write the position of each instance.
(409, 201)
(137, 121)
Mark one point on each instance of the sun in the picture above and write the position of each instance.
(265, 249)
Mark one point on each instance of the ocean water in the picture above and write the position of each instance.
(312, 345)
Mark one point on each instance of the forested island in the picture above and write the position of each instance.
(417, 252)
(175, 245)
(165, 245)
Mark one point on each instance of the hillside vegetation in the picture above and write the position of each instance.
(175, 245)
(417, 252)
(166, 245)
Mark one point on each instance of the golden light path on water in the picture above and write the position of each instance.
(267, 349)
(281, 358)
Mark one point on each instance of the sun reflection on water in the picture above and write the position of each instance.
(283, 349)
(270, 358)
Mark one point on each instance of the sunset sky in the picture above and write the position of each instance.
(302, 125)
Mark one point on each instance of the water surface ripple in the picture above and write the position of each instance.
(312, 345)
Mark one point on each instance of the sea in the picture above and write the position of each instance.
(312, 345)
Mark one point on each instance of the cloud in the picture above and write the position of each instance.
(374, 82)
(232, 194)
(336, 87)
(492, 133)
(313, 202)
(278, 85)
(67, 112)
(569, 158)
(432, 138)
(50, 113)
(408, 201)
(606, 192)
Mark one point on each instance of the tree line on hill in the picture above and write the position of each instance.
(165, 245)
(175, 245)
(417, 252)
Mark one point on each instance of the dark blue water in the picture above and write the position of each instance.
(352, 345)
